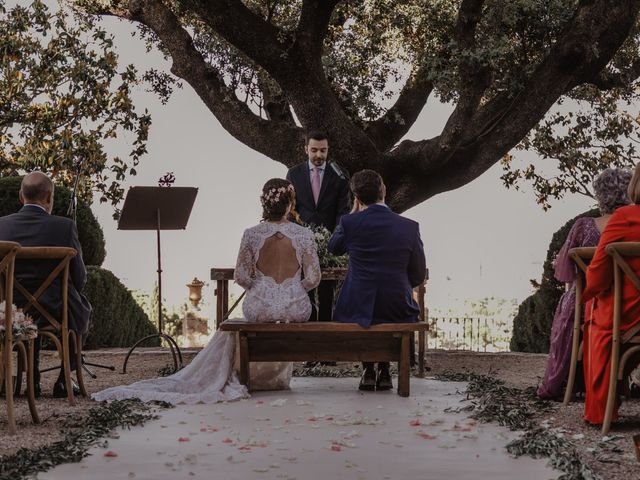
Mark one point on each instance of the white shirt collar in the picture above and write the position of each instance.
(35, 205)
(312, 166)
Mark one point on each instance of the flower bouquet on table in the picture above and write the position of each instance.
(327, 260)
(23, 326)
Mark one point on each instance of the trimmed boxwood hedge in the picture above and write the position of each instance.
(89, 230)
(117, 320)
(532, 324)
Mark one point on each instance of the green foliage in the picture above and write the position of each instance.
(63, 99)
(327, 260)
(532, 324)
(117, 320)
(89, 230)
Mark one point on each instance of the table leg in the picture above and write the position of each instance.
(219, 292)
(403, 365)
(421, 352)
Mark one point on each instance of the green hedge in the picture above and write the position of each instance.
(89, 230)
(532, 324)
(117, 320)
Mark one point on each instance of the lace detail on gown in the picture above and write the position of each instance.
(269, 301)
(210, 377)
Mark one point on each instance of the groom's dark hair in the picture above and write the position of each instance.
(368, 186)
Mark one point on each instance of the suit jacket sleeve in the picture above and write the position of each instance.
(77, 268)
(417, 262)
(343, 201)
(600, 271)
(338, 241)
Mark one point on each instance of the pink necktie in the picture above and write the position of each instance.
(315, 184)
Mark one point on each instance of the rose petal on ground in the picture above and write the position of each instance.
(415, 423)
(110, 453)
(184, 439)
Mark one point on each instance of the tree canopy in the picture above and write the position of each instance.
(63, 98)
(363, 70)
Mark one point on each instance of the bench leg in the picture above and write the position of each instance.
(421, 353)
(244, 360)
(403, 365)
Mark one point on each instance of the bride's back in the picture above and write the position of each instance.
(277, 258)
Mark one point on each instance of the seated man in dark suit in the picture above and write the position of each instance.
(34, 226)
(386, 261)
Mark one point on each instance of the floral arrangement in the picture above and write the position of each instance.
(23, 325)
(327, 260)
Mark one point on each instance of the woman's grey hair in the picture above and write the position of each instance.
(610, 189)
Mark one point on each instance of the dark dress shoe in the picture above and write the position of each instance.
(60, 390)
(383, 381)
(368, 381)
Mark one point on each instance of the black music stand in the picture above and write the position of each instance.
(157, 208)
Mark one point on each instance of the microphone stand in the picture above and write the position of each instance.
(71, 213)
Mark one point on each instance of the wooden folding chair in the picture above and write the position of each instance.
(581, 256)
(625, 348)
(56, 327)
(8, 251)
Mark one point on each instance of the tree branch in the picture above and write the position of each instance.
(255, 37)
(588, 42)
(387, 130)
(234, 115)
(313, 25)
(474, 78)
(608, 80)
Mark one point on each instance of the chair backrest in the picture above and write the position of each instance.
(621, 252)
(277, 258)
(8, 251)
(54, 262)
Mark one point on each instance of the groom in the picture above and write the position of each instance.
(386, 261)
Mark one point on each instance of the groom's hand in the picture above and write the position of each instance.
(357, 206)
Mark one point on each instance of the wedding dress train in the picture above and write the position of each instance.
(210, 377)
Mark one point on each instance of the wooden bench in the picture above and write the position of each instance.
(326, 341)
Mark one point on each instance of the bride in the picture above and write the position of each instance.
(277, 265)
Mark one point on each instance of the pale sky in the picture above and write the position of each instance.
(480, 240)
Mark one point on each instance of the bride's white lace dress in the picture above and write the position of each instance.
(210, 377)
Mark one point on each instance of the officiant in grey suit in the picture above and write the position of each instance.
(322, 197)
(34, 226)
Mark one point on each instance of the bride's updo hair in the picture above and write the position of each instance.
(277, 195)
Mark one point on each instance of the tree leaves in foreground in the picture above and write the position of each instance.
(554, 77)
(63, 99)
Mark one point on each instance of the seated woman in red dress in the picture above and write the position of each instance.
(623, 226)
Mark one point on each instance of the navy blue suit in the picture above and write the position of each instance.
(386, 260)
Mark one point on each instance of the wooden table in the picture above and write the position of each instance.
(222, 276)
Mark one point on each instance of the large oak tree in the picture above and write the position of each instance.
(364, 69)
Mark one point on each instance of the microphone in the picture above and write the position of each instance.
(336, 169)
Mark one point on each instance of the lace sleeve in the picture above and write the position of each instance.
(310, 262)
(244, 273)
